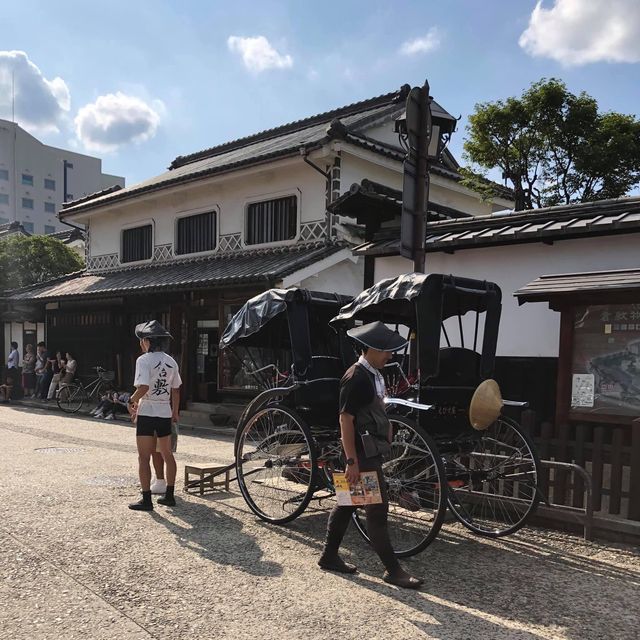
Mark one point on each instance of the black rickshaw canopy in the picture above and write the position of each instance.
(423, 302)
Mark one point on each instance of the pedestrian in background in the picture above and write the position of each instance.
(154, 406)
(41, 369)
(29, 371)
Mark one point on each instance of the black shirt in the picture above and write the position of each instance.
(357, 389)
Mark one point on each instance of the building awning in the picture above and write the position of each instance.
(605, 217)
(371, 200)
(575, 285)
(264, 268)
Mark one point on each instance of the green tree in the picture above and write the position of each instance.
(554, 147)
(33, 259)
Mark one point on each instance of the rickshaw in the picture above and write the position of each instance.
(287, 441)
(491, 471)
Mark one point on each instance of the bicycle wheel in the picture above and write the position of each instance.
(493, 484)
(415, 479)
(70, 398)
(276, 464)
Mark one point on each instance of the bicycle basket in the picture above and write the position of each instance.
(107, 376)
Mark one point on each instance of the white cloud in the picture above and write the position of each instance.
(40, 104)
(430, 42)
(115, 120)
(258, 54)
(576, 32)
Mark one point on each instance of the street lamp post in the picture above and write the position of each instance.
(424, 136)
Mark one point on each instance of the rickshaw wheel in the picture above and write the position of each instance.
(493, 483)
(276, 464)
(415, 479)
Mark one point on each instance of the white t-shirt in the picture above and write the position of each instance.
(159, 371)
(14, 359)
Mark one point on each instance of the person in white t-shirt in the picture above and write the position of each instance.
(154, 406)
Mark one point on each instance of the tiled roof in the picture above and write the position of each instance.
(565, 222)
(67, 235)
(310, 133)
(11, 228)
(574, 284)
(264, 267)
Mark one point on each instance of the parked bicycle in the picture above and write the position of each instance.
(71, 397)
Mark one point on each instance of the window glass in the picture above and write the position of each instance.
(28, 227)
(4, 220)
(4, 174)
(136, 244)
(48, 228)
(272, 220)
(27, 203)
(4, 198)
(50, 207)
(49, 184)
(27, 179)
(196, 233)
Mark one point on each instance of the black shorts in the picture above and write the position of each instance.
(153, 426)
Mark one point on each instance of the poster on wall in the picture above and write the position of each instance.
(606, 360)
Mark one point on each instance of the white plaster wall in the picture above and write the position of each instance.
(531, 329)
(345, 278)
(228, 194)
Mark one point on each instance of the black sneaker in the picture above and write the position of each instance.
(141, 505)
(167, 501)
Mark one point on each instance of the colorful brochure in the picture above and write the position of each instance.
(365, 491)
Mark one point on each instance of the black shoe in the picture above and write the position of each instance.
(403, 580)
(337, 564)
(141, 505)
(167, 501)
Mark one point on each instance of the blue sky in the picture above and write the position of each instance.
(140, 82)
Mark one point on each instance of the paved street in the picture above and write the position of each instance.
(76, 563)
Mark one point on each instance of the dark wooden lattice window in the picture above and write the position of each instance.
(272, 220)
(196, 233)
(137, 244)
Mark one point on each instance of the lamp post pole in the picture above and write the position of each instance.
(422, 184)
(415, 188)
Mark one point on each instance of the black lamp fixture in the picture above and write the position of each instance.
(440, 124)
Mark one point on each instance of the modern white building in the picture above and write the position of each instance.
(36, 179)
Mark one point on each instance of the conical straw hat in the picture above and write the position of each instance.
(486, 405)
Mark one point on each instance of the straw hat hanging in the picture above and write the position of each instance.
(486, 405)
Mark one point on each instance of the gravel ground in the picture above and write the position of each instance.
(76, 563)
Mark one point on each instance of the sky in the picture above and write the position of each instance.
(138, 83)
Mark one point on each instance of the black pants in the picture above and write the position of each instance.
(376, 515)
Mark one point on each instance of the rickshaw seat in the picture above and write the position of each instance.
(323, 384)
(458, 367)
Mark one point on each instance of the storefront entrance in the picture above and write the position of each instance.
(206, 344)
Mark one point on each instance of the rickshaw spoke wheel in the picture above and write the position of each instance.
(493, 482)
(415, 479)
(276, 464)
(70, 398)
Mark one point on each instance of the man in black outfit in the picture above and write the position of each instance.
(362, 412)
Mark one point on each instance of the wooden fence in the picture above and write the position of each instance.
(610, 454)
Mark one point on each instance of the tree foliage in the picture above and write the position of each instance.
(34, 259)
(554, 147)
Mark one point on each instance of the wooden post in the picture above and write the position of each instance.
(561, 455)
(544, 450)
(615, 496)
(634, 480)
(597, 463)
(579, 458)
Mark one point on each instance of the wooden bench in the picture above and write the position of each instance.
(206, 474)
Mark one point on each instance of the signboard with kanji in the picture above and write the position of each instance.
(606, 360)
